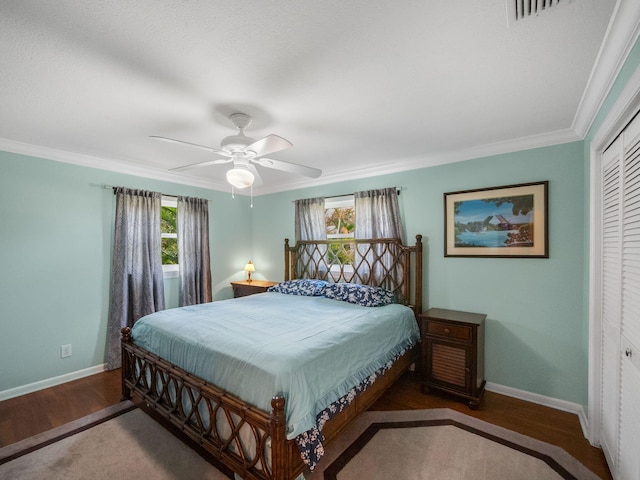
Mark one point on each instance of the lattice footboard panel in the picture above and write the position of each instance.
(240, 436)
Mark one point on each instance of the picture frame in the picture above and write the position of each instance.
(509, 221)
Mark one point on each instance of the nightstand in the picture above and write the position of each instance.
(244, 288)
(453, 353)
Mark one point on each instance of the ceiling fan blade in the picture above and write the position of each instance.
(204, 147)
(288, 167)
(269, 144)
(201, 164)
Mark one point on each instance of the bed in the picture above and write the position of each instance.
(267, 419)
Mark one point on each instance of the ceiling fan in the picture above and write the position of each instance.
(244, 152)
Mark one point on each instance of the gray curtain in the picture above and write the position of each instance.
(193, 251)
(310, 225)
(309, 218)
(137, 287)
(378, 216)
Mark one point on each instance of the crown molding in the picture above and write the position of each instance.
(107, 163)
(431, 160)
(621, 36)
(397, 166)
(617, 118)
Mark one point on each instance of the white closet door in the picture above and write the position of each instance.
(631, 237)
(611, 242)
(620, 292)
(629, 447)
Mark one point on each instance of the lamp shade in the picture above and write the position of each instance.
(249, 268)
(240, 177)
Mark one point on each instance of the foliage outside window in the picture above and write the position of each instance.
(169, 234)
(340, 220)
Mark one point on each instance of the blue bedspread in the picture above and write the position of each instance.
(312, 350)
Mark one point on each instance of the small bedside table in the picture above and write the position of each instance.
(453, 353)
(244, 287)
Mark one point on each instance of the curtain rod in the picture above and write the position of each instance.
(113, 188)
(398, 190)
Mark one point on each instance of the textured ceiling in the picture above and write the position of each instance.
(359, 87)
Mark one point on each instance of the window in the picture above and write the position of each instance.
(340, 217)
(340, 220)
(169, 234)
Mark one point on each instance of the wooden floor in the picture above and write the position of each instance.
(36, 412)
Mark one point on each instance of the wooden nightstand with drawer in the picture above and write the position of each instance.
(453, 353)
(244, 288)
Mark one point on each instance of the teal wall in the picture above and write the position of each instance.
(56, 225)
(57, 236)
(535, 330)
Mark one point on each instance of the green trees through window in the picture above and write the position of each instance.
(340, 220)
(169, 231)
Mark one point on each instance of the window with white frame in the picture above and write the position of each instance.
(169, 235)
(340, 220)
(340, 216)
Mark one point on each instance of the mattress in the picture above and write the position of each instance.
(310, 349)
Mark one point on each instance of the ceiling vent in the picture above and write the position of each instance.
(521, 9)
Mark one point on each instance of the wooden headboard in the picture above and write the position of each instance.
(383, 263)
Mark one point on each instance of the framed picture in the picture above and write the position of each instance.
(508, 221)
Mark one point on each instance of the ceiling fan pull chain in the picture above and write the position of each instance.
(233, 193)
(251, 195)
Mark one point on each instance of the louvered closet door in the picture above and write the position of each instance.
(620, 261)
(611, 242)
(629, 448)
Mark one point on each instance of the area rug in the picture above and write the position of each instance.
(441, 444)
(124, 442)
(120, 442)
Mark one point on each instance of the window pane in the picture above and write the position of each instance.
(169, 251)
(169, 231)
(168, 219)
(340, 222)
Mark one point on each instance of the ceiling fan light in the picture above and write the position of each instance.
(240, 177)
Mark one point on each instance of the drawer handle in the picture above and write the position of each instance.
(628, 352)
(447, 331)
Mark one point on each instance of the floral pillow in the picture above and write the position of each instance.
(359, 294)
(306, 287)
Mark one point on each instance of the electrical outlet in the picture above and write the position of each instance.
(65, 351)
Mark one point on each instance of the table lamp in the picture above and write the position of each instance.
(249, 268)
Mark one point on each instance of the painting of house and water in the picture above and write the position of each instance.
(508, 221)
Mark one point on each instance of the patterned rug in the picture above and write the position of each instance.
(120, 442)
(124, 442)
(441, 444)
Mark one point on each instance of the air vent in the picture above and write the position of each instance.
(521, 9)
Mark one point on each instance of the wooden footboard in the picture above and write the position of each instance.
(248, 440)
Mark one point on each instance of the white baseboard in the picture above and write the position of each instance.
(551, 402)
(50, 382)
